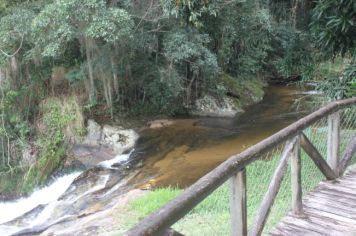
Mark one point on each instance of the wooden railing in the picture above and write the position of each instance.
(234, 169)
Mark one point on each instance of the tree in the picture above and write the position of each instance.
(189, 52)
(333, 25)
(89, 21)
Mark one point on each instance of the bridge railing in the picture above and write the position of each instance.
(329, 133)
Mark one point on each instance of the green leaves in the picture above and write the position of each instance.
(333, 26)
(110, 25)
(65, 20)
(183, 47)
(15, 31)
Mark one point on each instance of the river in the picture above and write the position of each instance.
(175, 155)
(180, 154)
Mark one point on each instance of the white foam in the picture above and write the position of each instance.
(14, 209)
(311, 92)
(116, 160)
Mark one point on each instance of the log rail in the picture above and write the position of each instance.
(234, 168)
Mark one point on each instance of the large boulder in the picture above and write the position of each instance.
(101, 144)
(118, 138)
(94, 132)
(155, 124)
(210, 106)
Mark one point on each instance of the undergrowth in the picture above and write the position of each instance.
(61, 121)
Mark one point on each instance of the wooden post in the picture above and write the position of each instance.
(316, 157)
(238, 204)
(350, 150)
(333, 141)
(272, 191)
(297, 206)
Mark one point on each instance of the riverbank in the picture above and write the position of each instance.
(176, 154)
(212, 215)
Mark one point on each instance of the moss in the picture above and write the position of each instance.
(246, 91)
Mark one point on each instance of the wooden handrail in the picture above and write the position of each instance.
(167, 215)
(273, 189)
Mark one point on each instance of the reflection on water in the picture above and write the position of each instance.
(183, 152)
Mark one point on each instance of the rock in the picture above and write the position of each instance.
(119, 139)
(88, 156)
(101, 144)
(159, 123)
(94, 133)
(104, 222)
(209, 106)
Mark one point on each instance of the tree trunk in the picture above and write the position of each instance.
(90, 71)
(114, 71)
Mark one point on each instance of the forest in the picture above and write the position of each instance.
(64, 61)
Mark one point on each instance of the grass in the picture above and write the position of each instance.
(151, 201)
(212, 217)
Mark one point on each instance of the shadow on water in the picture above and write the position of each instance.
(179, 154)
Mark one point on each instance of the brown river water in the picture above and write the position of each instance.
(179, 154)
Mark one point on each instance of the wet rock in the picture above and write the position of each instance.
(93, 133)
(100, 144)
(210, 106)
(88, 181)
(88, 156)
(159, 123)
(24, 219)
(101, 222)
(119, 139)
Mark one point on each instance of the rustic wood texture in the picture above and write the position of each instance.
(333, 141)
(330, 209)
(238, 204)
(349, 152)
(314, 154)
(296, 179)
(273, 188)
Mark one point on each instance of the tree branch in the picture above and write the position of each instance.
(17, 50)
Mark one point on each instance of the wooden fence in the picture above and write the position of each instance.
(234, 168)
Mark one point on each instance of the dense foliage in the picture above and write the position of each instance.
(334, 29)
(155, 57)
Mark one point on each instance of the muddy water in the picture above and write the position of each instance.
(181, 153)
